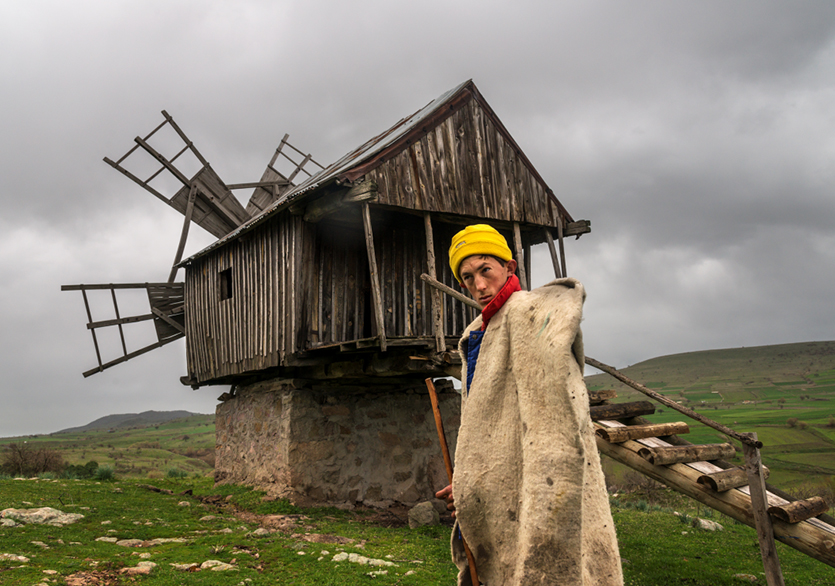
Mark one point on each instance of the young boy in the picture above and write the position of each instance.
(529, 493)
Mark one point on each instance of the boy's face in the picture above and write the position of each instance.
(484, 276)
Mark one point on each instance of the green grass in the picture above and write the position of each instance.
(657, 548)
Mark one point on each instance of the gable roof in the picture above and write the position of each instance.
(382, 148)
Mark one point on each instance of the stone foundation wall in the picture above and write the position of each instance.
(331, 446)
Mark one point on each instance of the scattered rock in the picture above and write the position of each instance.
(216, 566)
(207, 518)
(377, 573)
(14, 558)
(107, 539)
(184, 567)
(224, 530)
(7, 523)
(50, 572)
(184, 504)
(747, 577)
(40, 544)
(706, 524)
(261, 532)
(356, 558)
(106, 522)
(409, 573)
(423, 514)
(41, 516)
(129, 542)
(140, 568)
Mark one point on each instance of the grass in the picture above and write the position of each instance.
(658, 548)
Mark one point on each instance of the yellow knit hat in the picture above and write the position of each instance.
(477, 239)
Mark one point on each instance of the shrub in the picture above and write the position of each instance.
(802, 425)
(791, 421)
(154, 474)
(104, 473)
(22, 460)
(87, 470)
(176, 473)
(831, 423)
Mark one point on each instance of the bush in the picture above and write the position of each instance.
(831, 423)
(104, 473)
(20, 459)
(154, 474)
(176, 473)
(802, 425)
(791, 421)
(80, 471)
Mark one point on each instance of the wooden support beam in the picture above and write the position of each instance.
(728, 479)
(799, 510)
(318, 209)
(121, 320)
(555, 260)
(450, 291)
(692, 453)
(621, 410)
(577, 228)
(136, 180)
(375, 279)
(162, 160)
(183, 136)
(184, 234)
(759, 510)
(562, 246)
(253, 184)
(520, 256)
(617, 435)
(435, 295)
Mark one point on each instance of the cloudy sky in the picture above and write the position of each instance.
(698, 138)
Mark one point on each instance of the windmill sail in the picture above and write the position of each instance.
(215, 208)
(166, 311)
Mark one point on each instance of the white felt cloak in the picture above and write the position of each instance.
(529, 491)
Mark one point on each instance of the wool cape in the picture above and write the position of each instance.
(530, 497)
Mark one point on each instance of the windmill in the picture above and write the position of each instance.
(203, 198)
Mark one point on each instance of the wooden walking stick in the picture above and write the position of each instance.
(439, 424)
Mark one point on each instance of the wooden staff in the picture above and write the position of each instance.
(439, 424)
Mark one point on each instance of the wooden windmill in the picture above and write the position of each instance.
(202, 198)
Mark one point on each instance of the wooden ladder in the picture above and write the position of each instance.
(701, 472)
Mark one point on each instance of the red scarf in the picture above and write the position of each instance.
(510, 287)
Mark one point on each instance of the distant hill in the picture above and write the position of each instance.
(735, 373)
(126, 420)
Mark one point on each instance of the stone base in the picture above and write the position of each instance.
(335, 447)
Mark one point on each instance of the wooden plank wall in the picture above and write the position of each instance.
(297, 286)
(464, 166)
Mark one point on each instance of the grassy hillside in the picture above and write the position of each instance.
(785, 393)
(186, 445)
(143, 419)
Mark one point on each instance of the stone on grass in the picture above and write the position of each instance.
(7, 523)
(423, 514)
(41, 516)
(184, 567)
(107, 539)
(40, 544)
(747, 577)
(356, 558)
(13, 558)
(184, 504)
(140, 568)
(216, 566)
(261, 532)
(706, 524)
(207, 518)
(129, 542)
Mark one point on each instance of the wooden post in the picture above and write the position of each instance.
(437, 306)
(555, 260)
(759, 510)
(92, 331)
(184, 234)
(562, 247)
(520, 256)
(375, 279)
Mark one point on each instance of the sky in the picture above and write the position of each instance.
(697, 137)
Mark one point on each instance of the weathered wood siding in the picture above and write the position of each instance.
(297, 286)
(465, 166)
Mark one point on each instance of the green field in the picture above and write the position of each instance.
(186, 445)
(220, 523)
